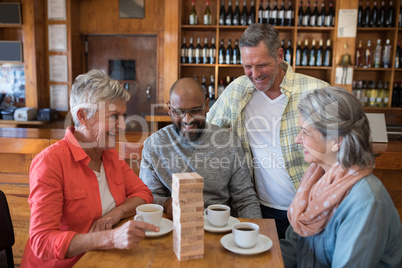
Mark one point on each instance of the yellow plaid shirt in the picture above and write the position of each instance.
(228, 112)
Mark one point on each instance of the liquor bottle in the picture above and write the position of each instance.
(365, 93)
(374, 15)
(222, 14)
(298, 53)
(359, 55)
(330, 19)
(281, 15)
(381, 15)
(377, 54)
(386, 55)
(229, 53)
(222, 53)
(183, 52)
(328, 54)
(360, 15)
(389, 18)
(314, 15)
(229, 14)
(372, 94)
(236, 15)
(274, 14)
(380, 94)
(212, 51)
(205, 52)
(251, 14)
(211, 89)
(305, 54)
(289, 18)
(368, 55)
(207, 15)
(320, 54)
(289, 53)
(236, 53)
(307, 15)
(300, 15)
(261, 14)
(367, 14)
(190, 52)
(267, 13)
(313, 54)
(244, 14)
(398, 55)
(321, 16)
(385, 95)
(221, 88)
(193, 14)
(197, 52)
(204, 86)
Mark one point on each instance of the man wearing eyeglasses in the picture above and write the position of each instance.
(192, 145)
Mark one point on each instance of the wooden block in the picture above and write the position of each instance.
(190, 190)
(193, 257)
(196, 230)
(190, 177)
(180, 187)
(189, 200)
(191, 197)
(188, 239)
(180, 217)
(188, 208)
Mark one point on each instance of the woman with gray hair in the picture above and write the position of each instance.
(341, 216)
(79, 187)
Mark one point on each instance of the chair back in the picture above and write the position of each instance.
(6, 230)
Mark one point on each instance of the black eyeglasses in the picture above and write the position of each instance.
(177, 112)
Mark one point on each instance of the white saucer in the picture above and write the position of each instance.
(165, 227)
(263, 244)
(213, 229)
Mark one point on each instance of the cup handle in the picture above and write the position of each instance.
(138, 218)
(206, 212)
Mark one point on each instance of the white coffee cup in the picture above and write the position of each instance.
(218, 215)
(245, 234)
(149, 213)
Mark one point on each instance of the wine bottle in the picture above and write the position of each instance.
(205, 52)
(222, 53)
(320, 54)
(274, 14)
(398, 54)
(314, 15)
(360, 15)
(236, 53)
(190, 52)
(251, 14)
(289, 18)
(300, 15)
(236, 15)
(385, 95)
(183, 52)
(229, 53)
(389, 21)
(321, 16)
(298, 53)
(193, 14)
(222, 14)
(305, 54)
(330, 19)
(221, 88)
(381, 15)
(374, 15)
(377, 54)
(372, 93)
(261, 14)
(267, 13)
(367, 15)
(386, 55)
(212, 51)
(307, 15)
(197, 52)
(328, 54)
(289, 53)
(211, 89)
(244, 14)
(313, 54)
(229, 14)
(359, 55)
(281, 15)
(204, 86)
(207, 15)
(368, 55)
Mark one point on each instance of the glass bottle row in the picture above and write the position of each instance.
(380, 57)
(371, 93)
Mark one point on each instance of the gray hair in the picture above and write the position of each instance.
(92, 88)
(257, 33)
(335, 112)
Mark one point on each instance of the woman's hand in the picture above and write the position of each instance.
(130, 234)
(107, 221)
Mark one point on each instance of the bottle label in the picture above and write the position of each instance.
(197, 53)
(183, 52)
(205, 53)
(305, 21)
(207, 19)
(289, 14)
(228, 20)
(328, 21)
(234, 59)
(235, 22)
(221, 20)
(266, 15)
(190, 52)
(221, 59)
(228, 59)
(212, 52)
(193, 19)
(274, 14)
(319, 21)
(281, 14)
(312, 20)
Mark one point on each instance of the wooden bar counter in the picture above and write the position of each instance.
(18, 146)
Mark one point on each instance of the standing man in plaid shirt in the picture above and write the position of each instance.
(261, 108)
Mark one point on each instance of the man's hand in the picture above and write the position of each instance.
(168, 208)
(107, 221)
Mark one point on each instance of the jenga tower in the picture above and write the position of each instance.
(188, 215)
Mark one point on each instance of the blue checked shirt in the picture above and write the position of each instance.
(228, 112)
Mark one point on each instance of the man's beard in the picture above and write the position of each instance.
(195, 136)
